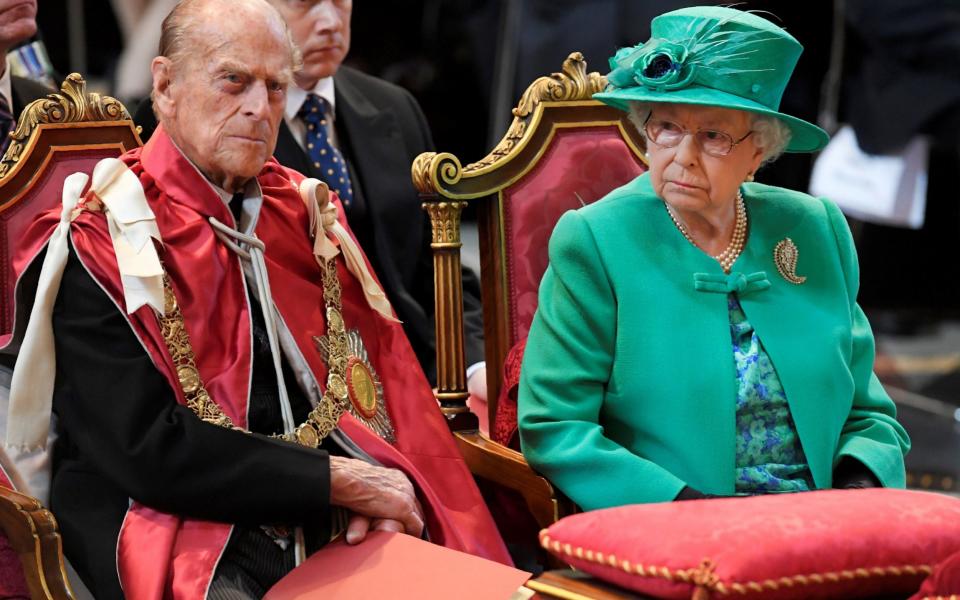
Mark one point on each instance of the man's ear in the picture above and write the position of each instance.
(163, 102)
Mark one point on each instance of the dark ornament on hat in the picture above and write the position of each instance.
(660, 65)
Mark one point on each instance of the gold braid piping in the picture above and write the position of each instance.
(704, 578)
(322, 419)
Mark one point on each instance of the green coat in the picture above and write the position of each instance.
(628, 385)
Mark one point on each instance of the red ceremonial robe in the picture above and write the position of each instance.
(162, 555)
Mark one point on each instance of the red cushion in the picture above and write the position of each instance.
(825, 544)
(943, 583)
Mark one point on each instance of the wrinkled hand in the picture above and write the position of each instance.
(379, 497)
(359, 525)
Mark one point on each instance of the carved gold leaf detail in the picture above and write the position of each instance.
(572, 83)
(445, 221)
(432, 171)
(72, 105)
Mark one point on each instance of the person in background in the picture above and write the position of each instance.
(18, 23)
(698, 334)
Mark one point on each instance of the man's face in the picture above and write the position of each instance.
(223, 104)
(18, 22)
(321, 29)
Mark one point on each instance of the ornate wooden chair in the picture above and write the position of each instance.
(563, 150)
(55, 137)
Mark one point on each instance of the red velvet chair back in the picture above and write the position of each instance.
(578, 166)
(56, 137)
(562, 151)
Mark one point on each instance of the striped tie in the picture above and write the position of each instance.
(325, 158)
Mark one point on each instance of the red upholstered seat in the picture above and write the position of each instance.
(563, 150)
(579, 167)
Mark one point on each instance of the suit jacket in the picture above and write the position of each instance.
(25, 91)
(381, 130)
(628, 385)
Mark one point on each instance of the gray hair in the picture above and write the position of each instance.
(175, 31)
(770, 134)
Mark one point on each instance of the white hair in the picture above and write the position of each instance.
(770, 134)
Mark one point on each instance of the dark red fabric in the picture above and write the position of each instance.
(944, 582)
(767, 538)
(504, 429)
(12, 584)
(207, 278)
(579, 167)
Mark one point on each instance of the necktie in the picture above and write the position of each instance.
(7, 123)
(323, 155)
(236, 207)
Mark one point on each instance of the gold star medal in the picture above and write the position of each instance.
(363, 386)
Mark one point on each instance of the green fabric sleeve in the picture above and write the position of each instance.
(566, 367)
(871, 433)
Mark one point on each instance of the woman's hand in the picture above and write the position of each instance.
(851, 474)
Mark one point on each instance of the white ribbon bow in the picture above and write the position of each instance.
(323, 218)
(132, 224)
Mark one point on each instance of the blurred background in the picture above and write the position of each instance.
(882, 71)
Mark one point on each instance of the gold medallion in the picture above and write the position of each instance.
(337, 386)
(334, 319)
(363, 396)
(307, 436)
(785, 256)
(363, 386)
(189, 378)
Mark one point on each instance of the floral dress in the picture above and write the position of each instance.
(769, 457)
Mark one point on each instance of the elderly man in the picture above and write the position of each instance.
(360, 134)
(247, 368)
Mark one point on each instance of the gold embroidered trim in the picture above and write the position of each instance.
(705, 579)
(322, 419)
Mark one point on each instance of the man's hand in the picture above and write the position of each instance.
(381, 498)
(359, 525)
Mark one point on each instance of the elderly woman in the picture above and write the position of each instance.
(698, 334)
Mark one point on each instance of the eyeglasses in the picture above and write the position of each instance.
(668, 134)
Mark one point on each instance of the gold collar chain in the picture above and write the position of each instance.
(322, 419)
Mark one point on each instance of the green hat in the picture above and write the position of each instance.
(714, 56)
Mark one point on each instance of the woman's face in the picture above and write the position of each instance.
(687, 177)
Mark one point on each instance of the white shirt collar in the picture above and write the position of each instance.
(296, 95)
(6, 86)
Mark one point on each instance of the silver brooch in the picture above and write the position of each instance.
(785, 256)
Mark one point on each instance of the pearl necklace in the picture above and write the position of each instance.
(735, 247)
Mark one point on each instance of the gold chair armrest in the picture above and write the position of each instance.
(33, 535)
(506, 467)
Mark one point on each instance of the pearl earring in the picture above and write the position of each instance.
(749, 176)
